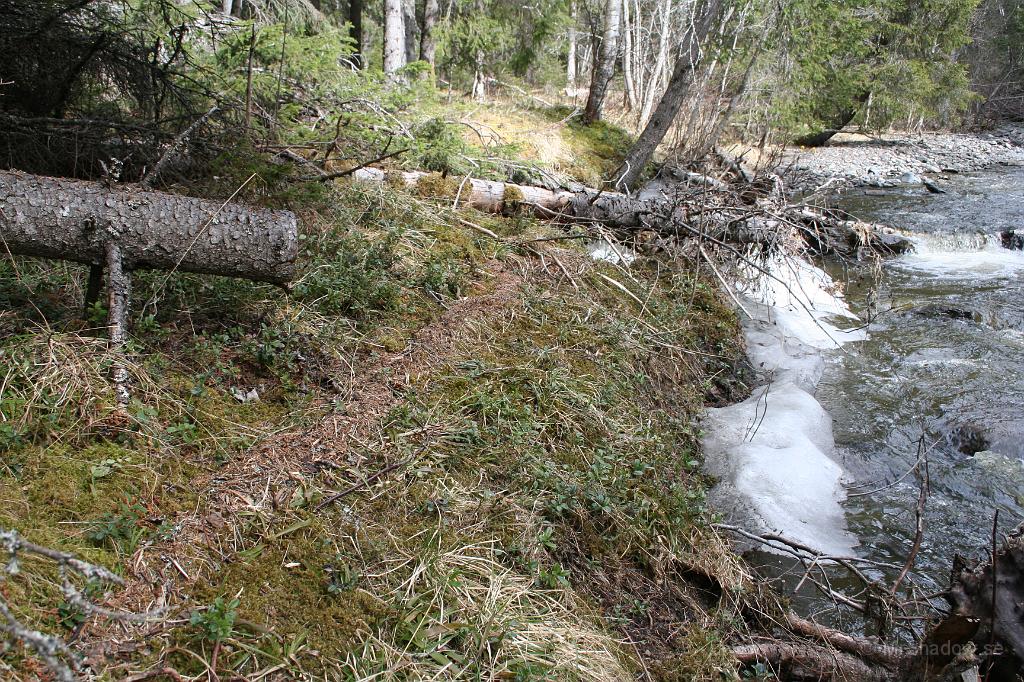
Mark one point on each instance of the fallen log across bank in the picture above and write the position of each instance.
(709, 208)
(117, 230)
(75, 220)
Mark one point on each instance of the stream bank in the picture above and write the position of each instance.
(895, 160)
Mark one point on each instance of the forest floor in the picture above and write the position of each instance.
(450, 452)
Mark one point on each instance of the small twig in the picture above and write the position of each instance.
(995, 583)
(371, 479)
(340, 174)
(153, 173)
(922, 499)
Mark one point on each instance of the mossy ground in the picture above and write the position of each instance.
(513, 440)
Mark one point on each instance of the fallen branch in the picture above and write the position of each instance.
(809, 661)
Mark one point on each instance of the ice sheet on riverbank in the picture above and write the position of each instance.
(772, 453)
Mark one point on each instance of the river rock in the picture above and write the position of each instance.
(968, 439)
(1011, 240)
(934, 310)
(895, 244)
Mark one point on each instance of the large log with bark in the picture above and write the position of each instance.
(76, 220)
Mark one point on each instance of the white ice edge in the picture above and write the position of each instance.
(773, 454)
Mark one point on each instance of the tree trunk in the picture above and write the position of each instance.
(654, 82)
(75, 220)
(604, 65)
(628, 58)
(394, 36)
(682, 76)
(410, 24)
(842, 119)
(355, 20)
(666, 214)
(428, 43)
(225, 7)
(570, 62)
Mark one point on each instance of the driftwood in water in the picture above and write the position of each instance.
(986, 620)
(75, 220)
(703, 207)
(805, 661)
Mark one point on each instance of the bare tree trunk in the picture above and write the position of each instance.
(570, 63)
(628, 58)
(659, 65)
(225, 7)
(682, 76)
(428, 43)
(604, 65)
(77, 221)
(841, 120)
(355, 20)
(411, 26)
(394, 36)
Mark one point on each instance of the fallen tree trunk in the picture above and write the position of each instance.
(685, 210)
(75, 220)
(794, 661)
(985, 621)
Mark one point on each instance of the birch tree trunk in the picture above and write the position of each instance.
(660, 62)
(78, 221)
(678, 87)
(394, 36)
(355, 20)
(604, 65)
(570, 63)
(410, 24)
(628, 55)
(428, 44)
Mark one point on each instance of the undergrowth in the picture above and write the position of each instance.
(513, 447)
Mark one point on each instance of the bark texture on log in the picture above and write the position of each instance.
(75, 220)
(810, 662)
(987, 616)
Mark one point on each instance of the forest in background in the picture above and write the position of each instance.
(454, 446)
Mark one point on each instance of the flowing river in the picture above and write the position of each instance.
(934, 368)
(943, 361)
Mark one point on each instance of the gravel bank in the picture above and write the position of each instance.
(859, 161)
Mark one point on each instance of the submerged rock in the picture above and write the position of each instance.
(968, 439)
(1011, 240)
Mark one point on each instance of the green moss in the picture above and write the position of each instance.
(289, 587)
(437, 186)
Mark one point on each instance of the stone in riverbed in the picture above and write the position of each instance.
(895, 244)
(968, 439)
(1011, 240)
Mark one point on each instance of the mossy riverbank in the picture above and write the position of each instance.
(443, 455)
